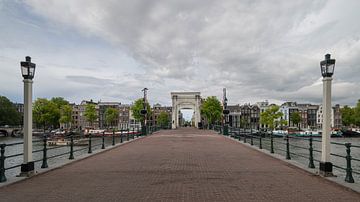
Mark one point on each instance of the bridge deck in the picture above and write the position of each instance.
(178, 165)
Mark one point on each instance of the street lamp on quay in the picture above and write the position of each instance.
(327, 67)
(144, 112)
(226, 114)
(28, 72)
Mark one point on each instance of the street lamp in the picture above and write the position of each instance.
(225, 113)
(144, 112)
(327, 67)
(28, 72)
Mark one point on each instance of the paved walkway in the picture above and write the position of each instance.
(178, 165)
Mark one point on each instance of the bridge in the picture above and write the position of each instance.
(6, 131)
(186, 164)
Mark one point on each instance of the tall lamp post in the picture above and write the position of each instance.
(144, 113)
(226, 114)
(28, 72)
(327, 67)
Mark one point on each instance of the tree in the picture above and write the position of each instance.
(271, 116)
(163, 119)
(296, 118)
(59, 102)
(347, 115)
(111, 115)
(356, 116)
(90, 113)
(137, 107)
(46, 113)
(8, 113)
(211, 109)
(66, 115)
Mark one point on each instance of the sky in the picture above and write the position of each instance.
(109, 50)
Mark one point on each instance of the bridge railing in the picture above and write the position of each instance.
(67, 147)
(306, 150)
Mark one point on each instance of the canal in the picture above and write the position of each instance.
(52, 151)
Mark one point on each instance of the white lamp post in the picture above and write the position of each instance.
(28, 72)
(327, 70)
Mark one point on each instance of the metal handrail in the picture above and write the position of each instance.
(123, 137)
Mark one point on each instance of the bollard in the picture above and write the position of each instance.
(44, 160)
(133, 133)
(89, 151)
(251, 139)
(349, 178)
(244, 136)
(271, 143)
(71, 147)
(311, 155)
(103, 141)
(113, 137)
(260, 142)
(127, 137)
(287, 148)
(239, 134)
(2, 163)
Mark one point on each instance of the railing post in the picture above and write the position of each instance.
(71, 147)
(121, 134)
(287, 148)
(103, 141)
(89, 151)
(133, 133)
(271, 143)
(260, 142)
(311, 155)
(44, 160)
(2, 163)
(113, 137)
(349, 178)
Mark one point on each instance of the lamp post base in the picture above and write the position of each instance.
(226, 130)
(27, 169)
(325, 169)
(143, 131)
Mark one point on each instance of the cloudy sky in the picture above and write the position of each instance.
(109, 50)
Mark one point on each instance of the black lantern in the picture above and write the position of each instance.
(143, 112)
(327, 66)
(27, 68)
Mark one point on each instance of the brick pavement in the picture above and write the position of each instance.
(179, 165)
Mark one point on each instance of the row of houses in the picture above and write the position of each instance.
(248, 115)
(125, 119)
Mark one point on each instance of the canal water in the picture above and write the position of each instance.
(53, 150)
(296, 143)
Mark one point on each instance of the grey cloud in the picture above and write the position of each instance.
(258, 49)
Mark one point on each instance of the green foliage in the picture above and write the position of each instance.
(270, 117)
(8, 113)
(90, 113)
(211, 109)
(163, 119)
(296, 118)
(59, 102)
(46, 113)
(356, 116)
(66, 114)
(347, 115)
(137, 107)
(111, 115)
